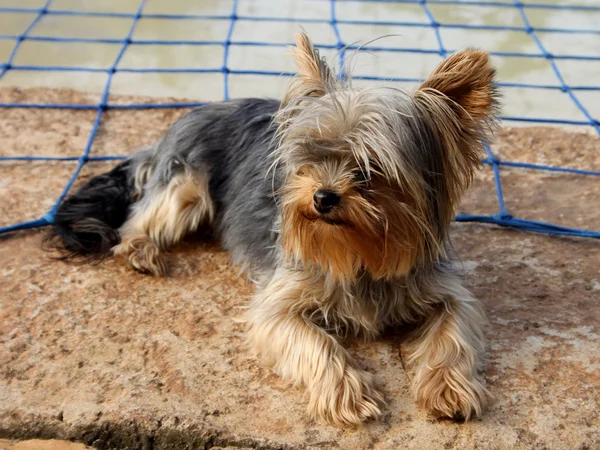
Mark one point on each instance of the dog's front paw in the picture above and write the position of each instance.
(446, 392)
(143, 255)
(349, 399)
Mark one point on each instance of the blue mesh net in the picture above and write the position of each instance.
(501, 217)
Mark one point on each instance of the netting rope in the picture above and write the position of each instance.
(502, 217)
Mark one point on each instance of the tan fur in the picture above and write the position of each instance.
(284, 335)
(287, 327)
(378, 234)
(399, 164)
(142, 254)
(466, 78)
(170, 214)
(315, 78)
(448, 351)
(461, 99)
(142, 174)
(374, 260)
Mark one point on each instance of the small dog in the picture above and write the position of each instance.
(338, 202)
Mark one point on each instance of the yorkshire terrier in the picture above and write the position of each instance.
(338, 202)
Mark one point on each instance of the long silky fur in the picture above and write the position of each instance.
(86, 223)
(399, 163)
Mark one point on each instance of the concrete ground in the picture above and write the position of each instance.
(107, 357)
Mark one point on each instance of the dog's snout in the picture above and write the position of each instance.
(325, 200)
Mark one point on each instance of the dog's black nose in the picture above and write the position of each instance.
(325, 200)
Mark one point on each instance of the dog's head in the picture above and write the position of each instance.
(373, 176)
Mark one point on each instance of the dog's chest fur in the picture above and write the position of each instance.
(362, 308)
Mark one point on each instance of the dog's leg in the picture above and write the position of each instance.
(164, 215)
(448, 350)
(283, 335)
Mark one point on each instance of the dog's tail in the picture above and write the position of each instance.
(86, 223)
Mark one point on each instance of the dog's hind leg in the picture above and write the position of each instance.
(166, 212)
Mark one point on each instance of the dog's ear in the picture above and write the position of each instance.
(315, 78)
(466, 79)
(460, 101)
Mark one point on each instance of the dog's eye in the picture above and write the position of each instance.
(360, 176)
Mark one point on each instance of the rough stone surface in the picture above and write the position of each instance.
(115, 359)
(39, 444)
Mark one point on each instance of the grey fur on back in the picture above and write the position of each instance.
(231, 143)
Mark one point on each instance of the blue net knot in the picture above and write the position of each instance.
(49, 217)
(492, 160)
(502, 217)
